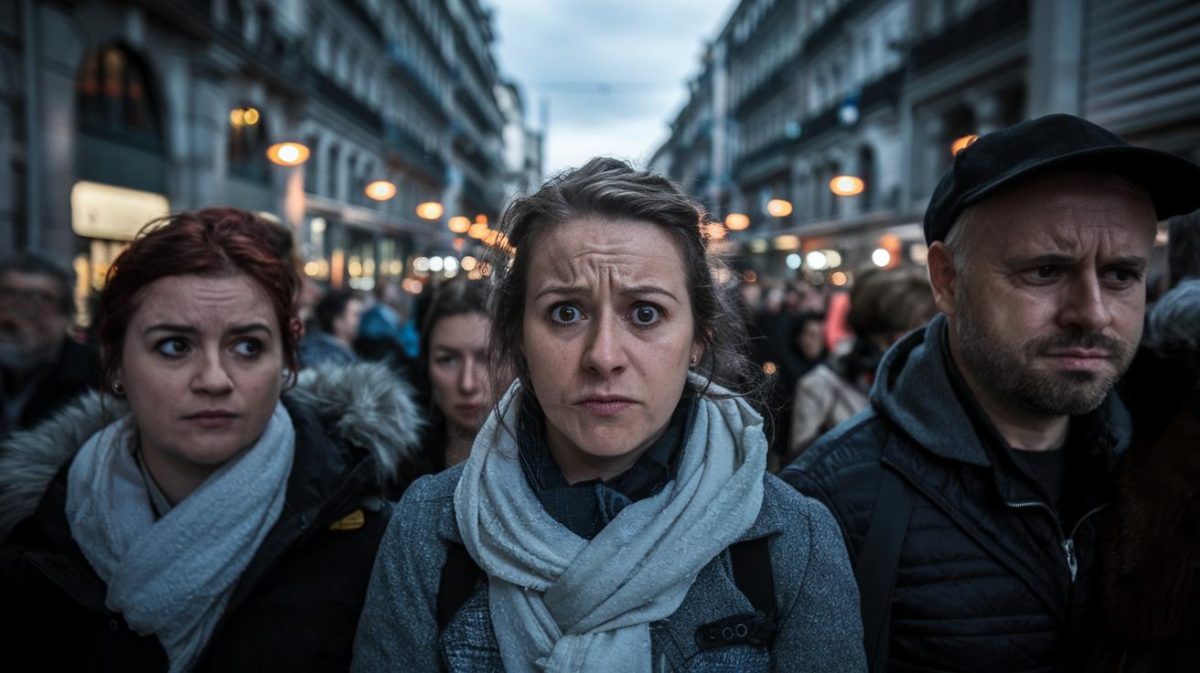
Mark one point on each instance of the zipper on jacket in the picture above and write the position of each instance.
(1067, 541)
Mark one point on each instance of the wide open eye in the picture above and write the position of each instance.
(565, 314)
(645, 315)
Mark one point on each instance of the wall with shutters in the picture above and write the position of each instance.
(1141, 71)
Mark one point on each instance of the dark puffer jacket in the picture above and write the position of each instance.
(990, 577)
(295, 607)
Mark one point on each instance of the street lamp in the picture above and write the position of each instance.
(478, 230)
(779, 208)
(459, 224)
(737, 221)
(287, 153)
(847, 185)
(430, 210)
(380, 190)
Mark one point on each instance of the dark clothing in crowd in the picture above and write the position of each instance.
(991, 575)
(295, 606)
(1151, 579)
(76, 369)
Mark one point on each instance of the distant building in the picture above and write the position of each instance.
(523, 145)
(794, 93)
(114, 112)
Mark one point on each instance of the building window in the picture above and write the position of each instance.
(117, 99)
(247, 145)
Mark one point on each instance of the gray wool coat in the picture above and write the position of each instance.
(818, 624)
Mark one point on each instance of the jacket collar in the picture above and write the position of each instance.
(916, 390)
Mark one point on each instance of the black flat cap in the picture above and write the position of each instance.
(1057, 141)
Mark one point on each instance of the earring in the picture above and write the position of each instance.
(118, 389)
(693, 361)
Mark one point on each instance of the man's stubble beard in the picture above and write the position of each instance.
(1008, 371)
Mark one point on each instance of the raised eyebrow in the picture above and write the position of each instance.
(251, 327)
(640, 290)
(169, 327)
(561, 290)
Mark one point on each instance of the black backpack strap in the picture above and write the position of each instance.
(877, 563)
(751, 561)
(459, 576)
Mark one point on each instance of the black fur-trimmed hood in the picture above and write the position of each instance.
(363, 405)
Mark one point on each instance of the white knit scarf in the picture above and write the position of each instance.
(562, 603)
(173, 577)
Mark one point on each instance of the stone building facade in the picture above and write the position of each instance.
(111, 112)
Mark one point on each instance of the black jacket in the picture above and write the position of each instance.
(296, 605)
(990, 577)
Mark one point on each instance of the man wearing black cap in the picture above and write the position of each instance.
(972, 492)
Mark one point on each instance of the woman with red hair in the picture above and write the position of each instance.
(206, 512)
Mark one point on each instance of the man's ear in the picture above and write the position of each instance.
(943, 277)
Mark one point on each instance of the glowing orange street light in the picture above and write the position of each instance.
(715, 230)
(962, 143)
(481, 219)
(737, 221)
(847, 185)
(287, 154)
(380, 190)
(430, 210)
(478, 230)
(459, 224)
(779, 208)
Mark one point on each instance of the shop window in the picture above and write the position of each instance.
(117, 99)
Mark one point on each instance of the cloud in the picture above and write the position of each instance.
(613, 72)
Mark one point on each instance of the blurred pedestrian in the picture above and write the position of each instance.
(453, 368)
(41, 367)
(332, 342)
(195, 517)
(970, 490)
(594, 526)
(1152, 547)
(385, 332)
(884, 306)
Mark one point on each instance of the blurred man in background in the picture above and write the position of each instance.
(41, 367)
(337, 316)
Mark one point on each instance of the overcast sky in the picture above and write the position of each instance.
(613, 71)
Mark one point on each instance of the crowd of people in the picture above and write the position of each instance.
(603, 458)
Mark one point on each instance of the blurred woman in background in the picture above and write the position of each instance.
(453, 365)
(203, 514)
(884, 306)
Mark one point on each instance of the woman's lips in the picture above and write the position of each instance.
(605, 406)
(211, 419)
(468, 409)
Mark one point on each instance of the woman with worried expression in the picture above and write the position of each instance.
(453, 367)
(199, 518)
(614, 513)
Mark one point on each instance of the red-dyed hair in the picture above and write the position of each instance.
(209, 242)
